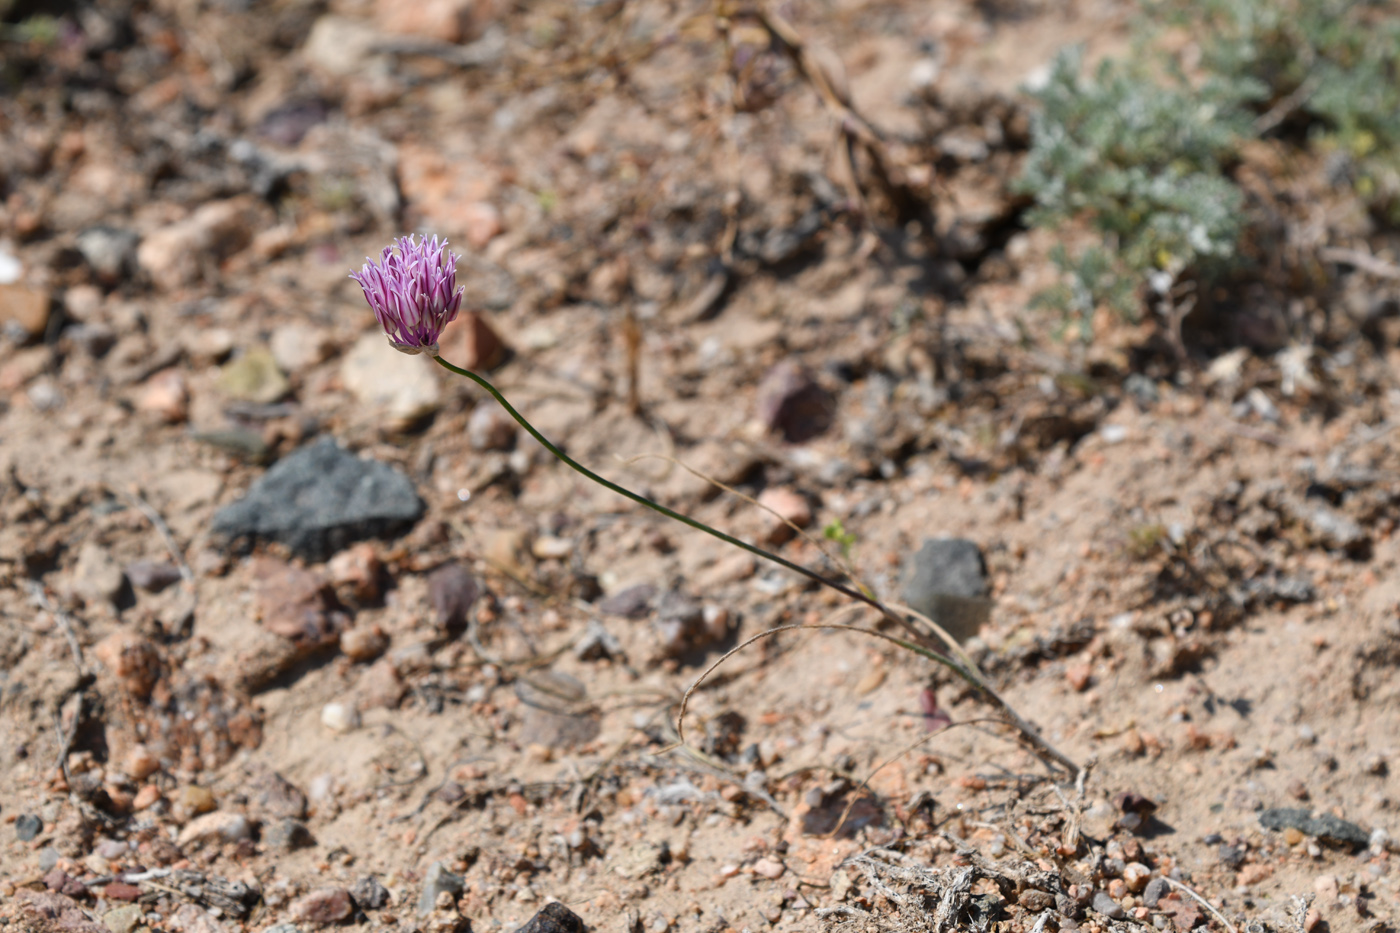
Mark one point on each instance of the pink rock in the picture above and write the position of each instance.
(166, 394)
(322, 907)
(296, 604)
(790, 506)
(470, 342)
(444, 20)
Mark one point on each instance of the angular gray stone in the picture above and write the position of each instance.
(437, 880)
(1324, 826)
(947, 581)
(1103, 904)
(369, 894)
(320, 499)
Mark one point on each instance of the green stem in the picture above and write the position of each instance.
(573, 464)
(1027, 730)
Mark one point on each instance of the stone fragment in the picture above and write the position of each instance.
(790, 506)
(1103, 904)
(1324, 826)
(437, 881)
(207, 345)
(296, 604)
(441, 20)
(470, 342)
(398, 391)
(140, 763)
(792, 405)
(322, 907)
(275, 796)
(122, 919)
(381, 686)
(340, 717)
(109, 251)
(27, 826)
(296, 347)
(1035, 901)
(452, 590)
(189, 918)
(49, 910)
(194, 800)
(175, 255)
(554, 917)
(632, 603)
(320, 499)
(24, 312)
(946, 580)
(152, 575)
(166, 394)
(363, 643)
(218, 827)
(340, 45)
(25, 366)
(369, 894)
(287, 835)
(254, 377)
(768, 868)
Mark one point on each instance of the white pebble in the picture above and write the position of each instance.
(340, 717)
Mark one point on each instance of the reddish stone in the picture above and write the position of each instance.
(470, 342)
(121, 891)
(323, 906)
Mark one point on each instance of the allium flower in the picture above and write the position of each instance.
(413, 292)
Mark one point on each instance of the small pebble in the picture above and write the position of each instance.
(323, 906)
(1103, 904)
(27, 826)
(768, 868)
(1136, 875)
(195, 799)
(217, 827)
(152, 575)
(340, 717)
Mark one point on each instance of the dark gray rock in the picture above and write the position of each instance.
(319, 500)
(288, 835)
(1103, 904)
(452, 590)
(27, 826)
(1156, 889)
(1324, 826)
(554, 917)
(947, 581)
(437, 880)
(369, 894)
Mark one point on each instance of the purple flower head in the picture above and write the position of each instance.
(413, 292)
